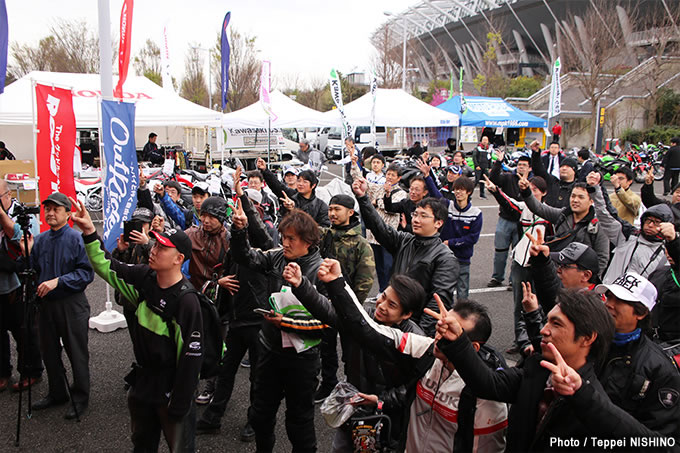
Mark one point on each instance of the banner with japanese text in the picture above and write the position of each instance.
(121, 176)
(55, 142)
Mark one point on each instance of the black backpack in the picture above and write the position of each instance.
(213, 344)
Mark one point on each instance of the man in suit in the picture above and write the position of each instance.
(553, 159)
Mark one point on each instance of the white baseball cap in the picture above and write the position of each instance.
(631, 287)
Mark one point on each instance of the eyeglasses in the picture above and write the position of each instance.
(655, 222)
(417, 215)
(5, 194)
(568, 266)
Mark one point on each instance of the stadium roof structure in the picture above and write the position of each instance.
(445, 35)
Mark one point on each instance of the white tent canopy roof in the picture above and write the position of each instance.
(288, 114)
(394, 108)
(155, 105)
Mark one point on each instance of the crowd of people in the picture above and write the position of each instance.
(593, 275)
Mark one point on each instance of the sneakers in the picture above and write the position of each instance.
(509, 288)
(245, 363)
(4, 383)
(24, 384)
(206, 395)
(247, 433)
(321, 394)
(493, 283)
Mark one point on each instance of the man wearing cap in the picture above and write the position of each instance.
(58, 256)
(453, 172)
(639, 251)
(164, 378)
(343, 242)
(268, 201)
(561, 180)
(574, 267)
(638, 376)
(507, 231)
(303, 197)
(290, 177)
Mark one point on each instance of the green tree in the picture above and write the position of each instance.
(667, 107)
(523, 86)
(148, 62)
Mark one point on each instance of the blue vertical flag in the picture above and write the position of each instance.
(225, 60)
(4, 40)
(121, 176)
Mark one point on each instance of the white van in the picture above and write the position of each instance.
(329, 139)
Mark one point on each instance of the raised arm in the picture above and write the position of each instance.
(542, 210)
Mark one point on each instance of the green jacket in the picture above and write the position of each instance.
(347, 245)
(168, 361)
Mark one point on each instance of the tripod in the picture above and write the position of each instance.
(30, 303)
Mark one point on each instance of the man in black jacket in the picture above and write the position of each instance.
(243, 291)
(421, 255)
(556, 395)
(649, 199)
(671, 165)
(559, 189)
(383, 376)
(666, 312)
(303, 198)
(416, 192)
(481, 158)
(289, 353)
(638, 376)
(151, 152)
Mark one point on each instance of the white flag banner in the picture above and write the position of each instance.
(374, 95)
(336, 94)
(555, 91)
(165, 61)
(265, 90)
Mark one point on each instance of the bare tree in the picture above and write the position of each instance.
(70, 46)
(313, 95)
(244, 70)
(194, 87)
(386, 62)
(148, 62)
(594, 53)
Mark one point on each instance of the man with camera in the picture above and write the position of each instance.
(63, 271)
(12, 311)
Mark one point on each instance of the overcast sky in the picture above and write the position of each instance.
(304, 37)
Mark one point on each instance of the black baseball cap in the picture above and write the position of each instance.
(176, 239)
(59, 199)
(579, 254)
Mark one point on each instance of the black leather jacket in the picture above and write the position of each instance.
(271, 263)
(425, 259)
(313, 206)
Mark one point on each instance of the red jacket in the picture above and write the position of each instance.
(557, 129)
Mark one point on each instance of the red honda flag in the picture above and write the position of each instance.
(55, 144)
(124, 46)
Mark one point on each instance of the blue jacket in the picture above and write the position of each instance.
(61, 254)
(463, 226)
(183, 218)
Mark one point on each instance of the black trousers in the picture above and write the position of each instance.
(480, 180)
(291, 376)
(12, 314)
(238, 341)
(670, 179)
(329, 359)
(66, 320)
(147, 421)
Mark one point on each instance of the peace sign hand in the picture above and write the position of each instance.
(565, 379)
(447, 324)
(239, 218)
(287, 202)
(491, 187)
(649, 176)
(82, 218)
(237, 182)
(523, 182)
(537, 244)
(529, 299)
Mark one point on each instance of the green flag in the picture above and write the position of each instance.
(463, 104)
(451, 89)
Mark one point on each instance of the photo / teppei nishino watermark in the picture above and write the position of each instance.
(604, 443)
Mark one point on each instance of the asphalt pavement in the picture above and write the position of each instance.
(105, 426)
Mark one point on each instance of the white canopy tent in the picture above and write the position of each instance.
(394, 108)
(289, 114)
(156, 108)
